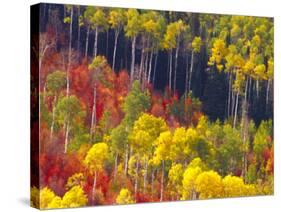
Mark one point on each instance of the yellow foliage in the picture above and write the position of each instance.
(34, 197)
(46, 197)
(124, 197)
(189, 182)
(75, 197)
(96, 156)
(209, 185)
(233, 186)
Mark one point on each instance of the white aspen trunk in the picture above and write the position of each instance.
(170, 71)
(267, 93)
(150, 67)
(142, 59)
(257, 86)
(229, 93)
(115, 47)
(145, 175)
(162, 181)
(155, 67)
(236, 109)
(115, 167)
(53, 118)
(94, 184)
(69, 53)
(66, 137)
(152, 181)
(93, 118)
(186, 79)
(96, 42)
(191, 70)
(136, 180)
(126, 160)
(106, 51)
(133, 59)
(246, 90)
(78, 37)
(176, 67)
(233, 102)
(87, 42)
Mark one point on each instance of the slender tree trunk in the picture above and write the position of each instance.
(146, 66)
(106, 51)
(233, 102)
(246, 90)
(136, 180)
(152, 182)
(257, 86)
(155, 67)
(66, 137)
(96, 42)
(69, 53)
(115, 167)
(53, 118)
(142, 61)
(126, 160)
(162, 181)
(186, 79)
(170, 70)
(236, 110)
(229, 93)
(150, 66)
(191, 70)
(145, 175)
(87, 42)
(93, 118)
(133, 59)
(176, 67)
(267, 93)
(95, 184)
(115, 47)
(78, 37)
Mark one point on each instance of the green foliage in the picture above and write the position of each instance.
(56, 81)
(145, 131)
(135, 103)
(133, 23)
(262, 138)
(69, 109)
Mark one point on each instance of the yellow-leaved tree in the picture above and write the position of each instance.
(75, 197)
(125, 197)
(95, 158)
(209, 185)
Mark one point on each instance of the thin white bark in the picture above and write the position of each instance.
(93, 118)
(236, 109)
(170, 69)
(133, 59)
(176, 66)
(53, 118)
(87, 42)
(69, 53)
(162, 181)
(150, 67)
(186, 78)
(115, 47)
(66, 137)
(155, 67)
(191, 70)
(96, 42)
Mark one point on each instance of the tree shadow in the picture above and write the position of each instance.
(24, 201)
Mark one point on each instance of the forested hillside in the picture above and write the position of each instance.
(145, 106)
